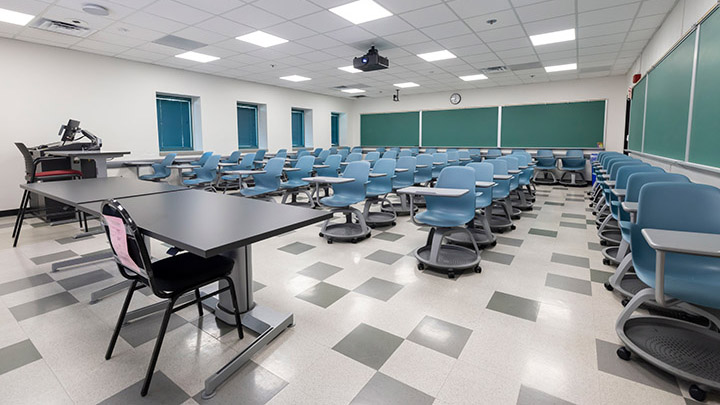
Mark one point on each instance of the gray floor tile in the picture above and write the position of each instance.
(504, 240)
(322, 294)
(531, 396)
(252, 385)
(573, 225)
(441, 336)
(43, 305)
(599, 276)
(529, 215)
(146, 329)
(296, 248)
(575, 199)
(595, 246)
(378, 288)
(513, 305)
(213, 326)
(635, 370)
(97, 252)
(568, 284)
(257, 286)
(542, 232)
(162, 391)
(559, 204)
(40, 224)
(17, 355)
(53, 257)
(6, 225)
(81, 280)
(590, 221)
(368, 345)
(559, 188)
(25, 283)
(570, 260)
(424, 229)
(497, 257)
(389, 236)
(537, 208)
(320, 271)
(384, 390)
(69, 239)
(383, 256)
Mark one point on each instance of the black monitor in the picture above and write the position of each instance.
(69, 130)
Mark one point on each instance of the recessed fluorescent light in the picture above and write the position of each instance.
(473, 77)
(560, 68)
(295, 78)
(263, 39)
(197, 57)
(14, 17)
(553, 37)
(350, 69)
(439, 55)
(406, 85)
(353, 91)
(361, 11)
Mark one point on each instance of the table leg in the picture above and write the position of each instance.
(100, 167)
(266, 322)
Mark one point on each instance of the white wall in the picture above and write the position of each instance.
(43, 86)
(614, 89)
(679, 21)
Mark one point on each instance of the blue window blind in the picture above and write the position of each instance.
(247, 122)
(298, 128)
(335, 129)
(174, 115)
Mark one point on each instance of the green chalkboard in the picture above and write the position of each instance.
(390, 129)
(668, 102)
(562, 125)
(468, 127)
(637, 114)
(705, 134)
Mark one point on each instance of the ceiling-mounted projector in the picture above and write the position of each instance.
(371, 61)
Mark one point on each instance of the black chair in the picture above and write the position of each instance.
(32, 175)
(168, 278)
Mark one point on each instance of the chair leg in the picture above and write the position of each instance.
(199, 302)
(158, 345)
(121, 320)
(236, 307)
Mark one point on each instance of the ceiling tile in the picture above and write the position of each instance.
(503, 19)
(471, 8)
(32, 7)
(652, 7)
(139, 54)
(608, 15)
(548, 9)
(387, 26)
(446, 30)
(319, 42)
(402, 6)
(429, 16)
(200, 35)
(640, 35)
(177, 11)
(501, 34)
(650, 22)
(143, 19)
(100, 46)
(600, 49)
(351, 35)
(290, 31)
(112, 38)
(604, 29)
(253, 17)
(133, 31)
(550, 25)
(460, 41)
(288, 9)
(601, 40)
(407, 38)
(116, 11)
(214, 6)
(224, 26)
(509, 44)
(323, 21)
(477, 49)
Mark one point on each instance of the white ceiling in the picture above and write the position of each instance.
(610, 36)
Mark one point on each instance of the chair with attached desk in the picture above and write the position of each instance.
(247, 163)
(333, 150)
(405, 152)
(281, 153)
(332, 169)
(206, 175)
(493, 154)
(380, 150)
(475, 155)
(453, 157)
(391, 154)
(479, 227)
(546, 166)
(514, 200)
(259, 157)
(524, 162)
(376, 193)
(356, 149)
(317, 151)
(160, 170)
(501, 212)
(200, 162)
(464, 157)
(608, 228)
(266, 183)
(624, 281)
(430, 151)
(320, 158)
(573, 165)
(353, 157)
(344, 196)
(233, 158)
(372, 157)
(295, 183)
(678, 257)
(440, 161)
(602, 174)
(343, 154)
(168, 279)
(446, 215)
(519, 200)
(404, 177)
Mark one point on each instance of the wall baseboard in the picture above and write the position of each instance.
(9, 213)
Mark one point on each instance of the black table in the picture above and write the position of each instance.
(208, 224)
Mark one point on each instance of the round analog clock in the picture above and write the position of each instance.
(455, 98)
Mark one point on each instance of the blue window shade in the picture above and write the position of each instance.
(247, 126)
(335, 129)
(174, 115)
(298, 128)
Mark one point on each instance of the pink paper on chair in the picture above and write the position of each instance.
(118, 240)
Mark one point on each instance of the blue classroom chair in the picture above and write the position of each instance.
(160, 170)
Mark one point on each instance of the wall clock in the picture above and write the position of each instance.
(455, 98)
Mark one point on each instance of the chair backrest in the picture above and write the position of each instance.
(430, 151)
(474, 152)
(271, 178)
(305, 164)
(500, 166)
(512, 162)
(464, 154)
(333, 163)
(204, 157)
(354, 157)
(574, 153)
(27, 157)
(359, 171)
(168, 160)
(281, 153)
(303, 152)
(391, 154)
(451, 150)
(162, 167)
(372, 157)
(622, 163)
(317, 151)
(380, 149)
(636, 181)
(247, 161)
(356, 149)
(544, 153)
(440, 157)
(235, 156)
(453, 154)
(382, 185)
(415, 150)
(608, 162)
(260, 154)
(208, 171)
(405, 152)
(493, 153)
(126, 241)
(625, 172)
(333, 150)
(460, 177)
(484, 171)
(405, 179)
(424, 173)
(521, 158)
(343, 154)
(323, 155)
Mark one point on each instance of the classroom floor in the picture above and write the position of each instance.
(535, 327)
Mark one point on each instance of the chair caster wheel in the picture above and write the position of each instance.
(530, 208)
(478, 269)
(393, 224)
(329, 242)
(624, 353)
(354, 241)
(368, 236)
(603, 243)
(697, 393)
(421, 266)
(608, 286)
(513, 227)
(494, 243)
(321, 234)
(606, 262)
(624, 302)
(451, 275)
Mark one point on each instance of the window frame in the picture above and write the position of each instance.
(191, 123)
(335, 129)
(302, 128)
(257, 129)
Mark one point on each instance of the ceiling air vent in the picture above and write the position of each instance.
(495, 69)
(74, 28)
